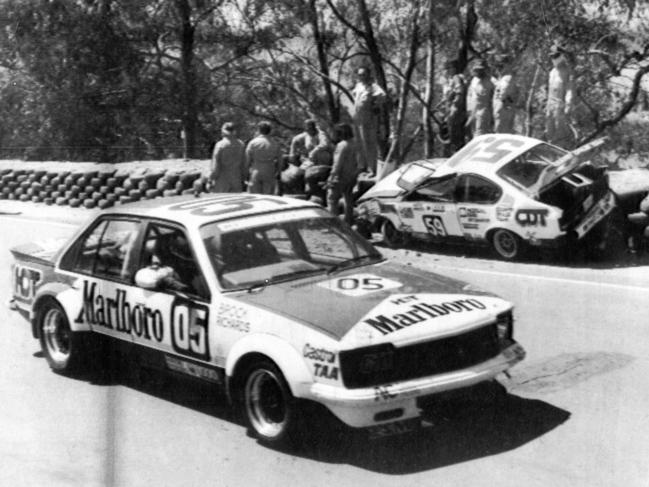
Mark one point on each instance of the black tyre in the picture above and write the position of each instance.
(392, 237)
(62, 347)
(506, 244)
(271, 411)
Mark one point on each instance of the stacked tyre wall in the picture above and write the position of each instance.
(96, 188)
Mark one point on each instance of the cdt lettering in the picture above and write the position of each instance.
(531, 218)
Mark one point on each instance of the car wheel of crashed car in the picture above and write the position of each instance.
(391, 236)
(61, 346)
(506, 244)
(270, 408)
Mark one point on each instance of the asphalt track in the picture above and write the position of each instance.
(576, 413)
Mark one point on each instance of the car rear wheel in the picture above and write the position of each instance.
(62, 347)
(392, 237)
(506, 244)
(271, 411)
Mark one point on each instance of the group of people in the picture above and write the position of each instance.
(258, 164)
(353, 149)
(487, 104)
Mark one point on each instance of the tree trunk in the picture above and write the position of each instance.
(529, 105)
(189, 115)
(429, 135)
(334, 109)
(395, 153)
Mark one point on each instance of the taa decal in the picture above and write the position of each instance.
(189, 329)
(25, 282)
(531, 218)
(326, 371)
(360, 284)
(435, 225)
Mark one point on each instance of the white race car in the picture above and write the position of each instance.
(272, 299)
(507, 191)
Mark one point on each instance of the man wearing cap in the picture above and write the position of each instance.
(228, 168)
(479, 101)
(310, 145)
(369, 100)
(263, 157)
(455, 103)
(559, 105)
(505, 95)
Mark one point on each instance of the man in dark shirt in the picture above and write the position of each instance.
(343, 172)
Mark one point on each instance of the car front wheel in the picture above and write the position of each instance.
(392, 237)
(62, 347)
(271, 411)
(506, 244)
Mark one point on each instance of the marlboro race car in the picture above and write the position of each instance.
(506, 191)
(272, 299)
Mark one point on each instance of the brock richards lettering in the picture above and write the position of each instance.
(421, 311)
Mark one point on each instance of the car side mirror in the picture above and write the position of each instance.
(148, 278)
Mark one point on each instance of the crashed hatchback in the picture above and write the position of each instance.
(503, 190)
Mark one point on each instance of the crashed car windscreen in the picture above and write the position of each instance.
(533, 169)
(255, 252)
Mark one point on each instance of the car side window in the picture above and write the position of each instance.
(475, 189)
(167, 251)
(107, 250)
(437, 191)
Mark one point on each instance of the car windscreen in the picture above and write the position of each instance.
(282, 246)
(533, 169)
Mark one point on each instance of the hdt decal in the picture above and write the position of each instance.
(25, 281)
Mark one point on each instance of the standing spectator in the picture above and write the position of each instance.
(228, 168)
(559, 105)
(479, 101)
(263, 158)
(369, 100)
(343, 172)
(308, 145)
(455, 105)
(505, 95)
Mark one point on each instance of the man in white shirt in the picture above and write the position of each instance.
(369, 99)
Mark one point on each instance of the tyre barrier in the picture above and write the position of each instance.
(97, 189)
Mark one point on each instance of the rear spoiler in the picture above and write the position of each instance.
(44, 252)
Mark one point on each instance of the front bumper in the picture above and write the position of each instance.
(395, 402)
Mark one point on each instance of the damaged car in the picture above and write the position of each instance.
(507, 191)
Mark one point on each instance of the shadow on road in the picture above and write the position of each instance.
(577, 260)
(457, 436)
(459, 432)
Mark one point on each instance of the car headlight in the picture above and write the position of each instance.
(505, 326)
